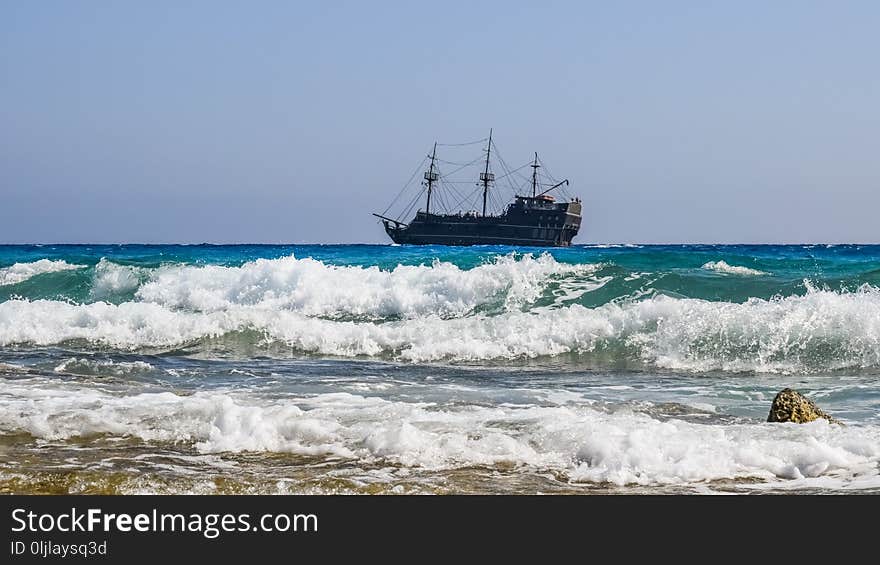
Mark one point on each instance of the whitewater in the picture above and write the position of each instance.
(398, 369)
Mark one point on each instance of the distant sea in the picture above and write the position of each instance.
(396, 369)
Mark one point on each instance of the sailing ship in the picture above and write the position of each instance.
(532, 219)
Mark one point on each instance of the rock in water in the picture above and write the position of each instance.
(792, 406)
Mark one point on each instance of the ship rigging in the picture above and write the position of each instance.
(534, 219)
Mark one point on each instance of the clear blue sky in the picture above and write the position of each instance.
(174, 121)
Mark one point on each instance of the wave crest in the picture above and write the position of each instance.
(819, 331)
(579, 442)
(111, 279)
(723, 267)
(313, 288)
(20, 272)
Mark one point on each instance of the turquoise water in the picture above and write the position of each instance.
(676, 269)
(362, 368)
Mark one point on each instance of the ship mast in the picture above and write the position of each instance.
(431, 177)
(486, 177)
(535, 167)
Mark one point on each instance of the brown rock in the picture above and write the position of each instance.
(792, 406)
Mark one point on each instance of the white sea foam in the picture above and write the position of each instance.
(819, 331)
(127, 326)
(723, 267)
(314, 288)
(20, 272)
(112, 279)
(80, 365)
(576, 440)
(442, 312)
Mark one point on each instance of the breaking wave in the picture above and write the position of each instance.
(819, 331)
(582, 443)
(111, 279)
(20, 272)
(723, 267)
(313, 288)
(513, 307)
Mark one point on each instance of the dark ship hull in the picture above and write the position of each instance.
(529, 221)
(536, 220)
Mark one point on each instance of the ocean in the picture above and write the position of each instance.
(361, 369)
